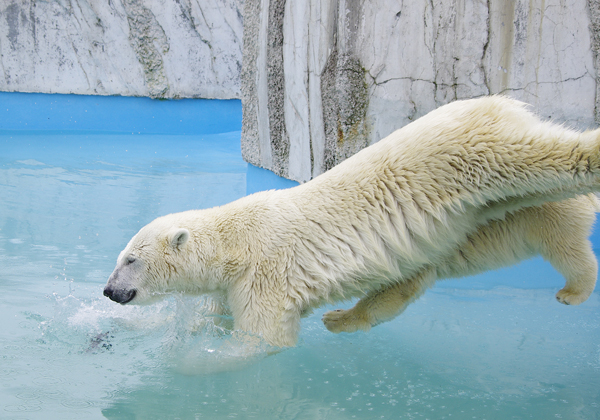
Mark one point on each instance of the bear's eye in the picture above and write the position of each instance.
(130, 260)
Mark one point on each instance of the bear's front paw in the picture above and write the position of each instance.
(571, 297)
(346, 321)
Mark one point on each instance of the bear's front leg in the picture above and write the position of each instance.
(269, 313)
(349, 320)
(379, 306)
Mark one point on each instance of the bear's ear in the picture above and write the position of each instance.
(178, 237)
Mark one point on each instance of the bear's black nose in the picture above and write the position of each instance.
(121, 296)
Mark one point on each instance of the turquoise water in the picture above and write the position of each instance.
(495, 346)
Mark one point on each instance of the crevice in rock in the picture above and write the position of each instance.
(280, 147)
(149, 42)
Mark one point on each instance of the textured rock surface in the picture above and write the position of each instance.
(156, 48)
(320, 79)
(327, 78)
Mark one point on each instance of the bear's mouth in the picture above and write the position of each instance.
(130, 295)
(121, 296)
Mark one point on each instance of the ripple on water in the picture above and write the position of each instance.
(77, 404)
(40, 394)
(23, 408)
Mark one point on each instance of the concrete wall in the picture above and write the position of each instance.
(155, 48)
(323, 79)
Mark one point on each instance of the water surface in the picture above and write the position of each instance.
(495, 346)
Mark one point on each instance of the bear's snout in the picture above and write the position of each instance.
(121, 296)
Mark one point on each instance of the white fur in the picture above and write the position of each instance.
(385, 224)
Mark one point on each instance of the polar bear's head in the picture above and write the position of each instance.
(161, 258)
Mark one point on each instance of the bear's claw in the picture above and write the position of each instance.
(569, 297)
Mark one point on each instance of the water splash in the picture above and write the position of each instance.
(180, 331)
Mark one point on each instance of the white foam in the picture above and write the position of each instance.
(31, 162)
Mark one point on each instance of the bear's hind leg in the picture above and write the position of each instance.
(579, 267)
(564, 243)
(380, 305)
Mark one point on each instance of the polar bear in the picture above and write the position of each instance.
(473, 185)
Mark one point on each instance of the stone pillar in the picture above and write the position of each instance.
(323, 79)
(303, 86)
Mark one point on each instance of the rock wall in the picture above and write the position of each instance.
(323, 79)
(320, 79)
(156, 48)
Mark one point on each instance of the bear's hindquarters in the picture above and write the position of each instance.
(557, 231)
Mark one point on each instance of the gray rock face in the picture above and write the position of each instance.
(320, 79)
(323, 79)
(156, 48)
